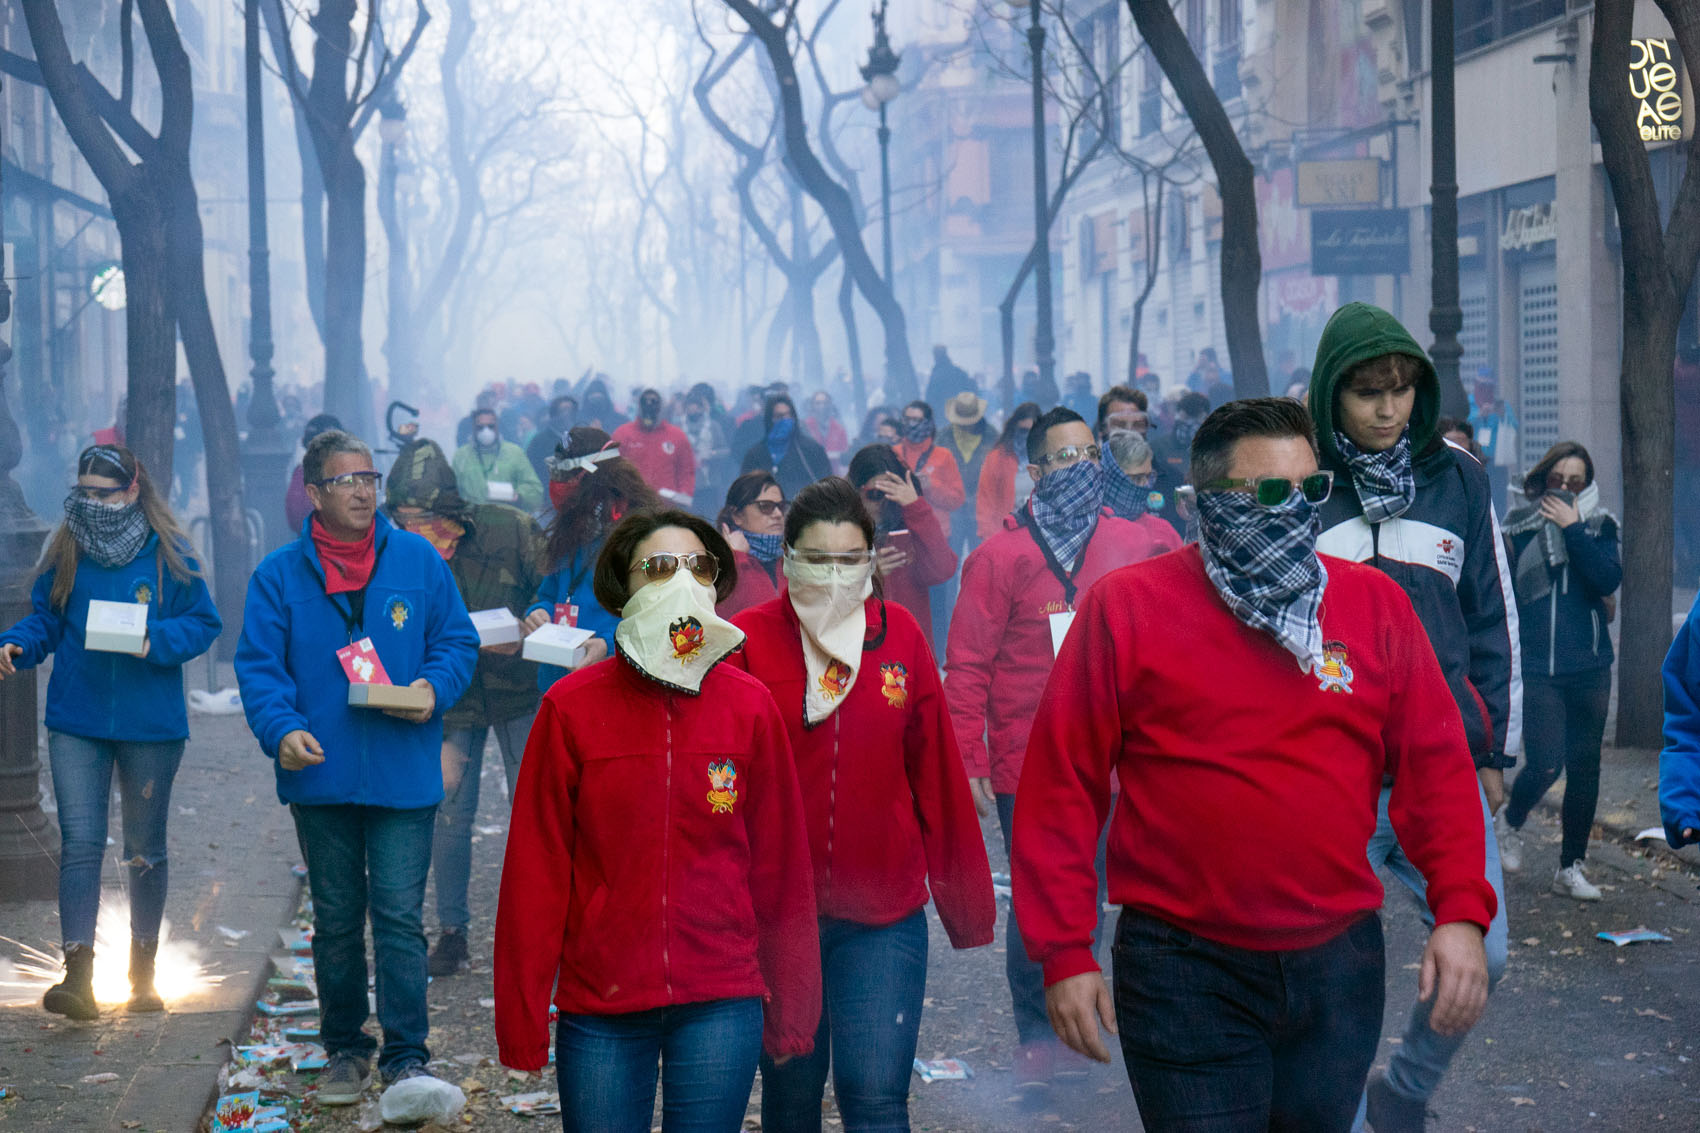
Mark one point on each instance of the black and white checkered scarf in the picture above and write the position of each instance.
(1263, 563)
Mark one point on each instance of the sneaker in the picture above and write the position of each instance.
(1387, 1111)
(1510, 844)
(449, 956)
(1569, 882)
(409, 1069)
(1035, 1065)
(344, 1078)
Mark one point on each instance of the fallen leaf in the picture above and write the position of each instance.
(1630, 1057)
(1531, 941)
(95, 1079)
(1564, 1084)
(1522, 1101)
(1646, 1011)
(138, 1124)
(1612, 998)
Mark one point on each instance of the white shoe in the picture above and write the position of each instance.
(1510, 844)
(1569, 882)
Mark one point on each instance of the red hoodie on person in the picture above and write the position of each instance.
(662, 456)
(657, 855)
(931, 561)
(1248, 786)
(888, 806)
(999, 651)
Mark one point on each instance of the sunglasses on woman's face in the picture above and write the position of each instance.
(770, 508)
(1273, 491)
(1557, 483)
(662, 565)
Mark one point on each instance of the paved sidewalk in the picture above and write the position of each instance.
(232, 847)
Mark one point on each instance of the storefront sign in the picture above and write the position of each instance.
(1360, 242)
(1356, 181)
(1656, 85)
(1526, 227)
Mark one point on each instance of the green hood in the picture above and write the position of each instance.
(422, 477)
(1356, 333)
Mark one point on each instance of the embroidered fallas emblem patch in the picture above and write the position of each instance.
(1335, 674)
(722, 786)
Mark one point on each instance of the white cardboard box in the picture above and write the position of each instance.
(116, 627)
(388, 696)
(501, 491)
(558, 645)
(496, 627)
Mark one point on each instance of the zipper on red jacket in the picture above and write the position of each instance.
(666, 858)
(831, 812)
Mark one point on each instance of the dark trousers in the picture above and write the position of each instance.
(873, 982)
(1564, 720)
(606, 1067)
(1227, 1040)
(369, 860)
(1026, 976)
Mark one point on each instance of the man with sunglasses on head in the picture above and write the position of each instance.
(1019, 589)
(1420, 510)
(1239, 710)
(363, 785)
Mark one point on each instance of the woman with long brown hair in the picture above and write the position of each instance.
(119, 543)
(591, 487)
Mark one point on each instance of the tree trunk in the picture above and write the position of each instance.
(150, 331)
(1152, 218)
(852, 342)
(312, 182)
(346, 394)
(1242, 262)
(1658, 271)
(901, 381)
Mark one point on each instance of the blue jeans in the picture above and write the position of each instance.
(1225, 1040)
(373, 859)
(873, 981)
(451, 849)
(1420, 1061)
(1027, 977)
(605, 1067)
(82, 787)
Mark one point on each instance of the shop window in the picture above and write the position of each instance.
(1477, 23)
(1101, 46)
(1226, 73)
(1195, 26)
(1150, 96)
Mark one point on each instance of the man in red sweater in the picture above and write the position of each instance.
(1016, 590)
(1249, 727)
(660, 451)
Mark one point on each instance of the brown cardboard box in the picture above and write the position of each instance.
(405, 697)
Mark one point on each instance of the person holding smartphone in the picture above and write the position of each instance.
(1564, 547)
(912, 552)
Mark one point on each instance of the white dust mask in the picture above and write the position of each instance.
(670, 632)
(828, 599)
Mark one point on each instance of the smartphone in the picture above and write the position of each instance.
(899, 540)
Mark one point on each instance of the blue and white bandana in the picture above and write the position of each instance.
(1262, 561)
(1065, 509)
(1122, 495)
(765, 549)
(1386, 482)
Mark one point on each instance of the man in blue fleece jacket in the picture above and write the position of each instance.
(363, 785)
(1679, 763)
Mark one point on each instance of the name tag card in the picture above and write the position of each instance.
(496, 627)
(558, 645)
(566, 614)
(116, 627)
(501, 491)
(1059, 630)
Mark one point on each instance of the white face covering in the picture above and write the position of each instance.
(670, 632)
(828, 599)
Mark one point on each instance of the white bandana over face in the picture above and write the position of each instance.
(829, 601)
(670, 633)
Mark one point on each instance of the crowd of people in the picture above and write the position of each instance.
(813, 662)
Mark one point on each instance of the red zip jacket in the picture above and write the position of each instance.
(753, 587)
(999, 651)
(888, 806)
(638, 874)
(1248, 787)
(662, 455)
(931, 561)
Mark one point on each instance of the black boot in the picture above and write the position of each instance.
(73, 997)
(449, 956)
(143, 997)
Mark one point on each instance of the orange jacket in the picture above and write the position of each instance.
(995, 500)
(941, 480)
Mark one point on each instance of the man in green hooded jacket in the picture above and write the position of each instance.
(1421, 510)
(494, 552)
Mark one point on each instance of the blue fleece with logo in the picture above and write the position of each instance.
(114, 696)
(287, 667)
(572, 584)
(1679, 763)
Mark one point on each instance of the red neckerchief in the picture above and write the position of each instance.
(348, 566)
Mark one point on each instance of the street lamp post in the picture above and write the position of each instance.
(266, 452)
(1044, 338)
(1446, 316)
(29, 843)
(881, 77)
(398, 342)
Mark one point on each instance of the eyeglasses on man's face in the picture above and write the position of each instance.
(1271, 491)
(1070, 454)
(352, 481)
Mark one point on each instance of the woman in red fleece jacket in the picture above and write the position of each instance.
(658, 837)
(888, 809)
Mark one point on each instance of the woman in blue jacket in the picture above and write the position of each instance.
(591, 487)
(119, 543)
(1565, 566)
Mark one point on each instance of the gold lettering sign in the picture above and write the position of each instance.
(1656, 85)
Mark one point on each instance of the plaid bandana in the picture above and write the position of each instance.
(1262, 561)
(110, 536)
(1121, 494)
(1386, 483)
(1065, 508)
(765, 549)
